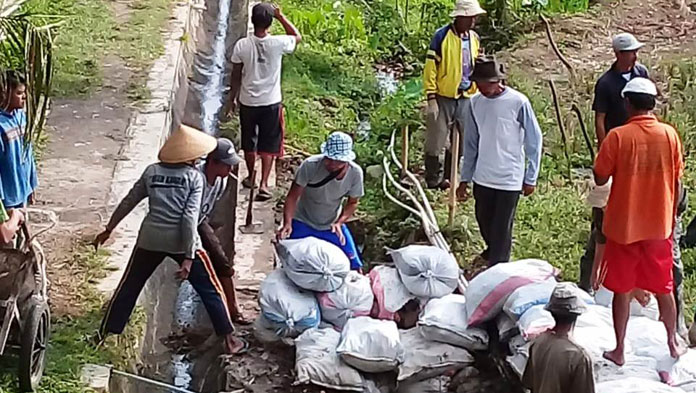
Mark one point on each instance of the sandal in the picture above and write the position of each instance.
(244, 349)
(264, 195)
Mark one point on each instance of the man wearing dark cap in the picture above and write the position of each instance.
(502, 154)
(556, 363)
(215, 170)
(257, 61)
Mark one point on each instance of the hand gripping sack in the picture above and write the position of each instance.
(425, 359)
(353, 299)
(371, 345)
(488, 292)
(288, 309)
(444, 320)
(426, 271)
(390, 293)
(317, 362)
(313, 264)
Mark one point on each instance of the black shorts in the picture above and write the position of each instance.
(263, 129)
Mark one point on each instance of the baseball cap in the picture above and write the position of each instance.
(565, 299)
(641, 86)
(625, 42)
(225, 152)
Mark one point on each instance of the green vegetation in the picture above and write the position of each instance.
(91, 30)
(72, 340)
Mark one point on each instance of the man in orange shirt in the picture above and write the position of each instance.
(644, 158)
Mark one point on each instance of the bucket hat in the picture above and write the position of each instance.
(641, 86)
(225, 152)
(625, 42)
(565, 299)
(487, 69)
(339, 147)
(467, 8)
(186, 144)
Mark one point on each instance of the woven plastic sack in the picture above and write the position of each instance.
(288, 309)
(389, 292)
(313, 264)
(488, 291)
(534, 322)
(598, 195)
(317, 362)
(444, 320)
(425, 359)
(371, 345)
(635, 385)
(353, 299)
(426, 271)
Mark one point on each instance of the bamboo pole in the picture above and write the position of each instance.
(404, 151)
(561, 127)
(454, 174)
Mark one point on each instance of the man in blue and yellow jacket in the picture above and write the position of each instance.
(448, 66)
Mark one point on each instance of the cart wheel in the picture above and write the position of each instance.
(32, 354)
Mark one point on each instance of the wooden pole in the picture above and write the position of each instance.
(454, 175)
(561, 127)
(404, 151)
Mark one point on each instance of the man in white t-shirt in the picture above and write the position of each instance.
(257, 61)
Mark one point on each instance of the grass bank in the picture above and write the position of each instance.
(94, 28)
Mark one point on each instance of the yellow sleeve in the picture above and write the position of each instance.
(430, 74)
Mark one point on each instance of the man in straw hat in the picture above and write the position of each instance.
(313, 206)
(502, 154)
(556, 363)
(257, 61)
(448, 85)
(644, 159)
(215, 170)
(174, 188)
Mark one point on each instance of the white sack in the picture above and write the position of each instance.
(264, 331)
(444, 320)
(390, 293)
(535, 321)
(313, 264)
(371, 345)
(635, 385)
(426, 271)
(488, 292)
(425, 359)
(523, 298)
(432, 385)
(288, 309)
(353, 299)
(317, 362)
(604, 297)
(598, 195)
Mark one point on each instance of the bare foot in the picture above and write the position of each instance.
(665, 378)
(235, 345)
(676, 349)
(616, 356)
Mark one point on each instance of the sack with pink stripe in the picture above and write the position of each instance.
(353, 299)
(487, 292)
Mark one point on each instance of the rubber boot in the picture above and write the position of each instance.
(433, 171)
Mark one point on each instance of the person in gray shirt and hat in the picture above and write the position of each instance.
(557, 364)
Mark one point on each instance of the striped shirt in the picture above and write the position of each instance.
(18, 177)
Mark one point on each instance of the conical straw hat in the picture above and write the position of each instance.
(186, 144)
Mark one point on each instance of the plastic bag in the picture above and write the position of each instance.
(598, 195)
(444, 320)
(425, 359)
(534, 322)
(288, 309)
(313, 264)
(390, 293)
(488, 291)
(426, 271)
(317, 362)
(353, 299)
(371, 345)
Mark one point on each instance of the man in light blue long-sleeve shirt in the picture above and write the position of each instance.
(502, 154)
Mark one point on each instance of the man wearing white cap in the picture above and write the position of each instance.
(448, 86)
(644, 159)
(610, 112)
(313, 205)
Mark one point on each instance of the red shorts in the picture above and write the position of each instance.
(646, 265)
